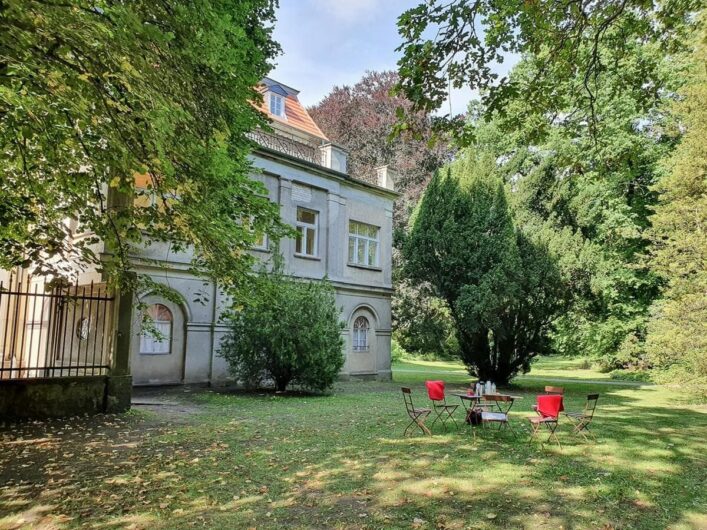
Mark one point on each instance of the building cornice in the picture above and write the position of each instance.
(271, 154)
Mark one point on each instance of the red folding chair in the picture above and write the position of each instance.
(551, 390)
(443, 410)
(548, 408)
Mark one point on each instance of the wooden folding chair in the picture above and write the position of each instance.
(443, 410)
(548, 408)
(551, 390)
(417, 416)
(581, 420)
(503, 404)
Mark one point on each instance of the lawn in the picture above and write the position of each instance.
(545, 368)
(217, 460)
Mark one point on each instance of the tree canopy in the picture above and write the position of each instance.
(130, 120)
(585, 168)
(458, 43)
(361, 117)
(677, 333)
(500, 285)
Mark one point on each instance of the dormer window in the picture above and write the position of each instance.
(277, 105)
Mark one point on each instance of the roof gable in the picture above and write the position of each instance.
(277, 89)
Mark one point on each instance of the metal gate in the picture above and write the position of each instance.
(57, 332)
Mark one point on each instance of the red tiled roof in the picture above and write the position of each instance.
(297, 115)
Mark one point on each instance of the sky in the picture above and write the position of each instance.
(328, 43)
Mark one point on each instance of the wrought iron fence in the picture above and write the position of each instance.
(287, 146)
(65, 331)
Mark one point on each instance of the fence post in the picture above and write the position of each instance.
(119, 386)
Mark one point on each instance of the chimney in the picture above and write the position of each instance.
(334, 157)
(386, 177)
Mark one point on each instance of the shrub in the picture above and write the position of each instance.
(631, 375)
(397, 353)
(289, 334)
(585, 364)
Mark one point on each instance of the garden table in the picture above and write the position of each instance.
(469, 401)
(474, 400)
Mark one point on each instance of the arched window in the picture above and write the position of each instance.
(360, 334)
(156, 336)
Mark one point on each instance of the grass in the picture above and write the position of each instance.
(546, 368)
(219, 460)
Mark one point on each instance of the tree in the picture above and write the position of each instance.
(458, 43)
(422, 322)
(130, 119)
(677, 333)
(586, 192)
(501, 288)
(289, 333)
(360, 118)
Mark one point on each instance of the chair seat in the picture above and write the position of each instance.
(422, 410)
(545, 419)
(575, 414)
(493, 416)
(447, 406)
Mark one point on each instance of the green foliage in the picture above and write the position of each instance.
(580, 130)
(93, 94)
(360, 118)
(631, 375)
(423, 323)
(586, 192)
(458, 43)
(289, 333)
(500, 285)
(397, 353)
(677, 333)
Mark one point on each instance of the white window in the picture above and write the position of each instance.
(360, 334)
(277, 105)
(160, 342)
(261, 242)
(261, 238)
(363, 244)
(306, 243)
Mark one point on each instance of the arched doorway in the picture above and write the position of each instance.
(158, 345)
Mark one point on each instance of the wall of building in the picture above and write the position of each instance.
(360, 290)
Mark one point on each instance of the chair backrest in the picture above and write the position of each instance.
(407, 397)
(435, 390)
(591, 405)
(554, 390)
(549, 405)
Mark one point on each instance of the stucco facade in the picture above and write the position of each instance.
(360, 290)
(325, 193)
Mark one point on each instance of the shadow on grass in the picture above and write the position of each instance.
(341, 462)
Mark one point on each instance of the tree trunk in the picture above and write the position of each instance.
(281, 384)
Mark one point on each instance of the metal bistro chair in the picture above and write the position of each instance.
(503, 404)
(551, 390)
(418, 416)
(582, 419)
(443, 410)
(548, 408)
